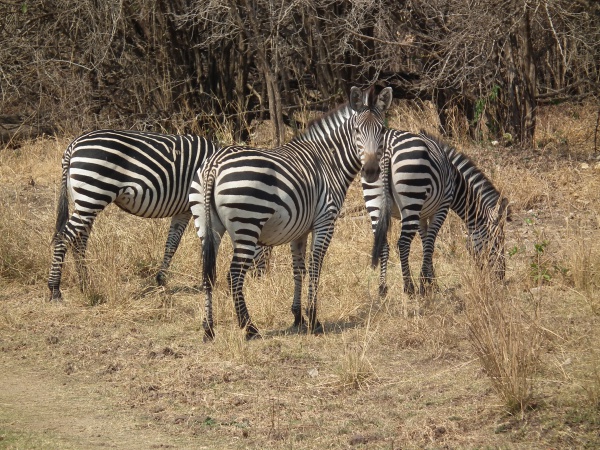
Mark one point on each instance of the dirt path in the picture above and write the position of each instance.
(38, 411)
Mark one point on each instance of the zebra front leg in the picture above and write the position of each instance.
(320, 243)
(237, 271)
(299, 265)
(178, 224)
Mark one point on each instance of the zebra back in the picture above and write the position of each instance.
(146, 174)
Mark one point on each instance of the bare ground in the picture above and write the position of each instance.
(42, 409)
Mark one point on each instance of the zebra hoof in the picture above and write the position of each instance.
(55, 295)
(317, 329)
(209, 334)
(300, 324)
(409, 289)
(161, 278)
(383, 290)
(252, 332)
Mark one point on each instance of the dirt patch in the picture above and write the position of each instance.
(44, 407)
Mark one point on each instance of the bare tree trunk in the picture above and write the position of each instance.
(521, 83)
(273, 92)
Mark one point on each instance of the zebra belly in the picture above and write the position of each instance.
(279, 229)
(144, 202)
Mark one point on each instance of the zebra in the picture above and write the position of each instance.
(144, 173)
(278, 196)
(426, 178)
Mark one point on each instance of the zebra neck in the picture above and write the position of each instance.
(335, 151)
(474, 194)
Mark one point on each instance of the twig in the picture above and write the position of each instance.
(596, 132)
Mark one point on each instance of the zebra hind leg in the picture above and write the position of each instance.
(75, 235)
(58, 259)
(261, 262)
(237, 271)
(320, 242)
(406, 236)
(178, 224)
(79, 249)
(383, 262)
(428, 233)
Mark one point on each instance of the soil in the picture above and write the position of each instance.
(73, 415)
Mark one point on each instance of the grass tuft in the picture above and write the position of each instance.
(505, 339)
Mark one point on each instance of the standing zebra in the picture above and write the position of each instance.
(146, 174)
(426, 178)
(279, 196)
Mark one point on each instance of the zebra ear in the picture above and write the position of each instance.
(384, 99)
(356, 98)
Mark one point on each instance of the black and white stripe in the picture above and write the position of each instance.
(425, 179)
(146, 174)
(279, 196)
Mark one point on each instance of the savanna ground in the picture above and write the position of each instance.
(125, 366)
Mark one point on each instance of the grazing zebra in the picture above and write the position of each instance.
(278, 196)
(426, 178)
(146, 174)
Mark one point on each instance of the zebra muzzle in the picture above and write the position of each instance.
(370, 172)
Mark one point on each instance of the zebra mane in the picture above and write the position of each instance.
(477, 182)
(326, 122)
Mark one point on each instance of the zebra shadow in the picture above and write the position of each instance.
(154, 290)
(328, 328)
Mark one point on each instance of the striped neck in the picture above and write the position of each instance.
(333, 139)
(475, 196)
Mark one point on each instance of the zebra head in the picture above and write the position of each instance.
(369, 121)
(493, 246)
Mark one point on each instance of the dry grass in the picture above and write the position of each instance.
(506, 340)
(397, 372)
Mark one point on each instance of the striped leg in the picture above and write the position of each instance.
(240, 263)
(299, 263)
(79, 248)
(178, 224)
(407, 234)
(428, 237)
(320, 243)
(58, 259)
(76, 235)
(261, 260)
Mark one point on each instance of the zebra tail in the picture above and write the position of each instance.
(62, 210)
(209, 254)
(385, 211)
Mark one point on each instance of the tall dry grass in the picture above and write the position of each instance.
(506, 340)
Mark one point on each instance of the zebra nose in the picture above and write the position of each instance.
(370, 172)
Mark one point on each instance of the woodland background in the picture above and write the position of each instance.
(203, 66)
